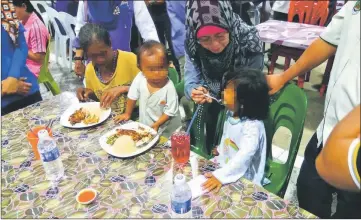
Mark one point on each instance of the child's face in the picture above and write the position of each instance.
(230, 97)
(153, 67)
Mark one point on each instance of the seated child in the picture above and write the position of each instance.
(158, 100)
(242, 151)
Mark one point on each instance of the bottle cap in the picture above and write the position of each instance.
(179, 179)
(43, 133)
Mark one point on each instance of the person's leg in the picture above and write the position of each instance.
(313, 193)
(22, 103)
(280, 16)
(348, 205)
(244, 14)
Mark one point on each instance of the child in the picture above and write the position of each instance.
(242, 151)
(158, 100)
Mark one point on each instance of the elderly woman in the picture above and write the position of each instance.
(110, 72)
(19, 87)
(117, 18)
(217, 40)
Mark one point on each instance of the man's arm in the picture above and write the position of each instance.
(144, 21)
(318, 52)
(333, 162)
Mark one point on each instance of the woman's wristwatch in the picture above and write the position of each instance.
(78, 58)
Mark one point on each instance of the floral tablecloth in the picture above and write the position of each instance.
(128, 188)
(289, 34)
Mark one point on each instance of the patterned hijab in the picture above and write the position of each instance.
(9, 20)
(244, 39)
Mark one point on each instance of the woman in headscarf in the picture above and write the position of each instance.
(19, 87)
(217, 40)
(116, 16)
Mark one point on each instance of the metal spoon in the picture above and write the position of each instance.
(219, 101)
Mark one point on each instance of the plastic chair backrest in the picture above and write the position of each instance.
(301, 8)
(202, 142)
(46, 77)
(289, 111)
(69, 23)
(173, 75)
(319, 13)
(40, 6)
(57, 24)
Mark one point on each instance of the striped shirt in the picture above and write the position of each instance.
(36, 36)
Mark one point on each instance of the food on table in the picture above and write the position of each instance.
(124, 145)
(136, 136)
(84, 116)
(86, 196)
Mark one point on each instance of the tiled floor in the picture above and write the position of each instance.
(69, 82)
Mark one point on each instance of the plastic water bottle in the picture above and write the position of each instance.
(181, 198)
(49, 154)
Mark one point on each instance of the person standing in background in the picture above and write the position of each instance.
(342, 39)
(68, 6)
(116, 17)
(36, 34)
(177, 16)
(158, 11)
(19, 87)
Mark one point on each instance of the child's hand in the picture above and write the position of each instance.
(155, 127)
(215, 151)
(212, 183)
(122, 117)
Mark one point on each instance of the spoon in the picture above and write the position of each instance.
(219, 101)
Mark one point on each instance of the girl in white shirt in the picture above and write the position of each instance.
(242, 151)
(158, 99)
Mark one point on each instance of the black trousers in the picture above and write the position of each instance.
(315, 195)
(22, 103)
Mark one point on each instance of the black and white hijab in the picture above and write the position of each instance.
(244, 40)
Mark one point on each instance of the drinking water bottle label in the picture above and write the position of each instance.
(50, 155)
(181, 207)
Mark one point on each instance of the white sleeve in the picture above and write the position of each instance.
(134, 90)
(144, 21)
(332, 33)
(172, 106)
(80, 18)
(239, 164)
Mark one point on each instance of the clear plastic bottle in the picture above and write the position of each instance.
(181, 198)
(49, 154)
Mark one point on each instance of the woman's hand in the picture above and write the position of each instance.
(199, 97)
(122, 117)
(110, 95)
(23, 87)
(79, 68)
(212, 184)
(9, 86)
(83, 93)
(275, 83)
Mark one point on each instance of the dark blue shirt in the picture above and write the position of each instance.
(13, 64)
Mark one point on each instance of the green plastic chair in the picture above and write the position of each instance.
(173, 76)
(288, 110)
(203, 141)
(46, 77)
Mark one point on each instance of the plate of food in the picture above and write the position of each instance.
(129, 140)
(84, 115)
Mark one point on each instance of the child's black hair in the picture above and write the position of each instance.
(251, 91)
(149, 46)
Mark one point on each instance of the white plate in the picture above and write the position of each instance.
(130, 126)
(90, 106)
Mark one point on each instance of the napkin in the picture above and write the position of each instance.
(195, 185)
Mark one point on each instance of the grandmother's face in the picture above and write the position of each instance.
(100, 53)
(215, 42)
